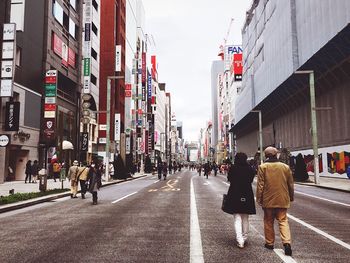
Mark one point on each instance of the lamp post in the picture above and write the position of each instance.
(260, 135)
(313, 121)
(108, 121)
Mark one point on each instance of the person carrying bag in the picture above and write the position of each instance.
(239, 200)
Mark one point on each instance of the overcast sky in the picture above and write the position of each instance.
(188, 34)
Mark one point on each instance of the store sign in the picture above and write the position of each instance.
(117, 127)
(144, 68)
(9, 32)
(50, 90)
(102, 140)
(49, 129)
(4, 140)
(6, 88)
(238, 66)
(8, 50)
(84, 144)
(7, 69)
(230, 50)
(12, 116)
(57, 45)
(86, 84)
(50, 100)
(87, 67)
(50, 107)
(87, 32)
(49, 114)
(127, 145)
(149, 85)
(118, 58)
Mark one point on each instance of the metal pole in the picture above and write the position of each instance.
(108, 124)
(314, 126)
(260, 138)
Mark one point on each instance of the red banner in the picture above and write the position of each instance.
(71, 58)
(237, 64)
(57, 45)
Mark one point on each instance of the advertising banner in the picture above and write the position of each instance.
(7, 69)
(238, 66)
(6, 88)
(149, 85)
(144, 68)
(12, 116)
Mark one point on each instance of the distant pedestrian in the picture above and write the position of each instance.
(274, 192)
(240, 196)
(207, 169)
(56, 168)
(170, 167)
(82, 177)
(35, 171)
(73, 176)
(28, 171)
(215, 169)
(165, 170)
(160, 169)
(94, 177)
(199, 169)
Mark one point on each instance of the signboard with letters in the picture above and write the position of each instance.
(117, 127)
(84, 144)
(49, 128)
(50, 105)
(8, 51)
(4, 140)
(12, 116)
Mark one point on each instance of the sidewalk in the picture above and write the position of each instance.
(340, 184)
(21, 187)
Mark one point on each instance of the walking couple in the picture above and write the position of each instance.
(275, 191)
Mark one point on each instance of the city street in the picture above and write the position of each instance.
(177, 220)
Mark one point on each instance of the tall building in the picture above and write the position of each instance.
(46, 85)
(112, 63)
(217, 70)
(280, 38)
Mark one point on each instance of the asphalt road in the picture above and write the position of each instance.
(177, 220)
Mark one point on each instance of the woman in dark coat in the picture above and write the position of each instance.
(28, 172)
(241, 197)
(94, 177)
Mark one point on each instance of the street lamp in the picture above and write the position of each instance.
(313, 121)
(260, 135)
(108, 121)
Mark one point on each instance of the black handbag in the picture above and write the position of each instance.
(226, 206)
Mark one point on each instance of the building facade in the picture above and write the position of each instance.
(280, 38)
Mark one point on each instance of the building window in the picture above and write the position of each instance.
(95, 5)
(66, 21)
(94, 54)
(18, 56)
(72, 28)
(94, 29)
(57, 11)
(73, 4)
(93, 79)
(17, 14)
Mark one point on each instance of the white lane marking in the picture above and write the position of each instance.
(153, 177)
(225, 183)
(156, 181)
(324, 199)
(196, 251)
(207, 183)
(286, 259)
(279, 252)
(318, 231)
(116, 201)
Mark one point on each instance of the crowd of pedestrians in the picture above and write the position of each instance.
(31, 171)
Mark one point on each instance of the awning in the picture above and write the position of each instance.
(67, 145)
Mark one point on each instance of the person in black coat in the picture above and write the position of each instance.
(240, 196)
(95, 182)
(28, 172)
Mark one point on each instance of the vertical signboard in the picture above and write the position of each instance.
(50, 106)
(12, 116)
(238, 66)
(8, 52)
(118, 58)
(230, 50)
(84, 143)
(144, 68)
(117, 127)
(87, 46)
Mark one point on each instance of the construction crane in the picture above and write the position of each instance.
(225, 38)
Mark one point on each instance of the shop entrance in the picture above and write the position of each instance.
(18, 160)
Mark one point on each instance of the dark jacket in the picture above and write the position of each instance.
(240, 194)
(94, 177)
(35, 169)
(28, 168)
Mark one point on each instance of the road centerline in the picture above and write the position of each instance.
(196, 250)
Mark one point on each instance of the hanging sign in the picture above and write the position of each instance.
(12, 116)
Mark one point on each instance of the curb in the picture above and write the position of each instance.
(39, 200)
(324, 187)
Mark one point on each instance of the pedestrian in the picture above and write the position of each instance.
(159, 169)
(274, 192)
(170, 167)
(73, 176)
(35, 171)
(165, 170)
(215, 168)
(28, 171)
(94, 177)
(111, 170)
(56, 168)
(82, 177)
(240, 196)
(207, 169)
(199, 169)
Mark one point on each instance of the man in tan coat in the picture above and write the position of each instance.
(82, 177)
(73, 176)
(274, 192)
